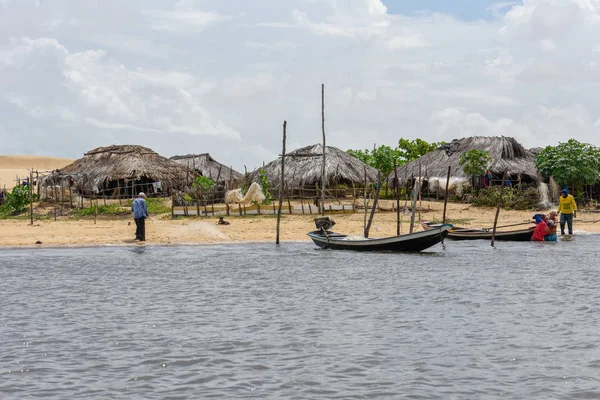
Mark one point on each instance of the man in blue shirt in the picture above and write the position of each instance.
(140, 213)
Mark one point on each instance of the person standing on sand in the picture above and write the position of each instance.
(140, 213)
(567, 208)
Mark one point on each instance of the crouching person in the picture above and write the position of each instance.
(541, 229)
(551, 236)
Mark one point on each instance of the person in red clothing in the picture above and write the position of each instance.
(541, 228)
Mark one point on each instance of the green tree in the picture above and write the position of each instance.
(203, 183)
(570, 163)
(474, 162)
(265, 185)
(410, 150)
(16, 200)
(363, 155)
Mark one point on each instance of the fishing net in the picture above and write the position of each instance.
(254, 194)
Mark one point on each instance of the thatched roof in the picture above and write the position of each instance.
(120, 162)
(506, 154)
(208, 167)
(303, 167)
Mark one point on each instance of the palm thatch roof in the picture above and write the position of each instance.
(113, 165)
(506, 154)
(208, 167)
(303, 168)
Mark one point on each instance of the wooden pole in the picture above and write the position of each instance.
(397, 198)
(420, 186)
(281, 183)
(366, 203)
(31, 196)
(173, 206)
(96, 211)
(414, 205)
(323, 167)
(498, 209)
(446, 195)
(374, 205)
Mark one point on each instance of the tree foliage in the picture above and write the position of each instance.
(16, 200)
(383, 157)
(572, 163)
(474, 162)
(410, 150)
(203, 183)
(265, 185)
(362, 155)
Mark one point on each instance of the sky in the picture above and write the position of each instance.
(221, 76)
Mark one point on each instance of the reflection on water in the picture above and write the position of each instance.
(463, 320)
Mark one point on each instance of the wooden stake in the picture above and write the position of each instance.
(414, 205)
(324, 147)
(446, 195)
(498, 209)
(366, 203)
(281, 187)
(374, 204)
(397, 199)
(31, 196)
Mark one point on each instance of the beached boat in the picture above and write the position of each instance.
(410, 242)
(457, 233)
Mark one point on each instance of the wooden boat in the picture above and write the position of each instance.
(416, 241)
(457, 233)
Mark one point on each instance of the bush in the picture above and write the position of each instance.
(108, 209)
(155, 205)
(512, 199)
(16, 201)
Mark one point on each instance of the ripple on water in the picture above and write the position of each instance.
(463, 320)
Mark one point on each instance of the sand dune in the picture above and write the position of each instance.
(13, 166)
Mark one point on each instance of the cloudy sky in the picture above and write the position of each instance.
(220, 76)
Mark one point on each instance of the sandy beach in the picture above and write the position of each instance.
(161, 229)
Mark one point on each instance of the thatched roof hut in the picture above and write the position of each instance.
(506, 154)
(207, 166)
(121, 170)
(303, 168)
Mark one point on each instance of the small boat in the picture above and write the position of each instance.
(416, 241)
(457, 233)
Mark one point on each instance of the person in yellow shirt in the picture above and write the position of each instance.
(568, 210)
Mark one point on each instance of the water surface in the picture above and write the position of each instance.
(461, 321)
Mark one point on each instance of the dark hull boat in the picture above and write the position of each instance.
(518, 235)
(411, 242)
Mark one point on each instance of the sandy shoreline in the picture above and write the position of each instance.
(162, 230)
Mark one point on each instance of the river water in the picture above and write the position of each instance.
(461, 321)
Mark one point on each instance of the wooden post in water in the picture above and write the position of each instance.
(420, 187)
(366, 203)
(397, 198)
(323, 167)
(374, 205)
(281, 187)
(446, 195)
(498, 209)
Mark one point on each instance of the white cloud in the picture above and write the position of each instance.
(184, 16)
(221, 76)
